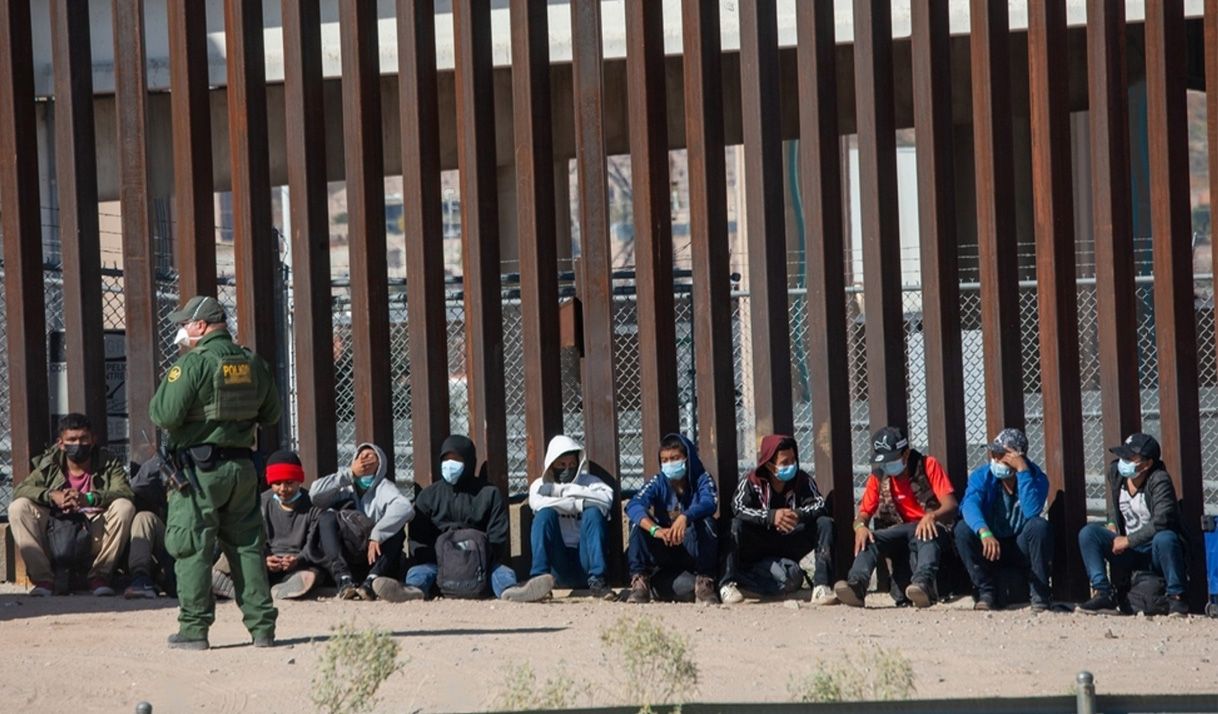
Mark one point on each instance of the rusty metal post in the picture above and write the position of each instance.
(29, 414)
(996, 240)
(535, 220)
(932, 97)
(366, 228)
(873, 87)
(310, 240)
(703, 67)
(255, 244)
(1175, 316)
(596, 281)
(480, 239)
(194, 197)
(767, 240)
(80, 244)
(139, 255)
(1120, 394)
(820, 179)
(1057, 290)
(648, 118)
(424, 233)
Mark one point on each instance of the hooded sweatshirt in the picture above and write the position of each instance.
(569, 499)
(660, 501)
(383, 503)
(756, 500)
(470, 503)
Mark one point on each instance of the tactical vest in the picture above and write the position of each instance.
(888, 515)
(234, 382)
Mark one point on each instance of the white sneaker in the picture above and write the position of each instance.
(535, 588)
(40, 591)
(823, 595)
(729, 594)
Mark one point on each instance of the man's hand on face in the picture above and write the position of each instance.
(364, 463)
(1015, 460)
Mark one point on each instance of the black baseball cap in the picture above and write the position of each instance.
(199, 307)
(888, 444)
(1143, 445)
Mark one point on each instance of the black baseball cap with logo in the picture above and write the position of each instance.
(888, 445)
(1143, 445)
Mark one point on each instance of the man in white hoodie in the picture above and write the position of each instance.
(364, 523)
(570, 520)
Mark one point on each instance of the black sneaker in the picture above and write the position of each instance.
(850, 593)
(1101, 602)
(1176, 606)
(347, 589)
(365, 592)
(264, 640)
(599, 590)
(984, 604)
(1039, 606)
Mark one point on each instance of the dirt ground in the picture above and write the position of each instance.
(84, 654)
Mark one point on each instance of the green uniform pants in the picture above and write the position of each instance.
(224, 508)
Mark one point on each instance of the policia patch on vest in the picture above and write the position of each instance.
(237, 374)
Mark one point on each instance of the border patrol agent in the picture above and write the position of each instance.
(211, 402)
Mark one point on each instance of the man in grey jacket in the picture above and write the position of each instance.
(364, 517)
(1143, 531)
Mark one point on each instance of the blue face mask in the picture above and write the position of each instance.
(451, 471)
(290, 501)
(1126, 468)
(786, 473)
(894, 468)
(999, 469)
(364, 482)
(673, 469)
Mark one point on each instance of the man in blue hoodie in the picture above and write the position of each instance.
(672, 530)
(1003, 527)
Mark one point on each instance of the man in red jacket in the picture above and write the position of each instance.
(913, 504)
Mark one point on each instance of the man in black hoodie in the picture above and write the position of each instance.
(458, 498)
(1143, 531)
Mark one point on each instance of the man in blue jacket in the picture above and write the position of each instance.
(673, 527)
(1002, 526)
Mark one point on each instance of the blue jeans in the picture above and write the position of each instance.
(1164, 554)
(423, 577)
(1031, 551)
(571, 567)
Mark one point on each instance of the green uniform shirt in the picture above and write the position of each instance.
(189, 386)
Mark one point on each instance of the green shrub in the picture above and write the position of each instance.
(656, 662)
(353, 666)
(879, 675)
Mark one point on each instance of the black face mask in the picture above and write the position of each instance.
(566, 475)
(78, 453)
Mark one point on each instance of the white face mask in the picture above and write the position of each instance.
(182, 338)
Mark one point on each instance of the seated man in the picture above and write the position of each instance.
(570, 520)
(672, 528)
(73, 477)
(1003, 527)
(361, 527)
(1143, 532)
(148, 563)
(913, 503)
(459, 499)
(291, 525)
(779, 517)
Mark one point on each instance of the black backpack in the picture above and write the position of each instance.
(69, 542)
(463, 559)
(1148, 593)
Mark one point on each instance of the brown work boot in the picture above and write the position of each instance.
(640, 589)
(704, 591)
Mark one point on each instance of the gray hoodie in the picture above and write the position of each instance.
(382, 502)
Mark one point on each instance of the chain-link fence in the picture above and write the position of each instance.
(628, 387)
